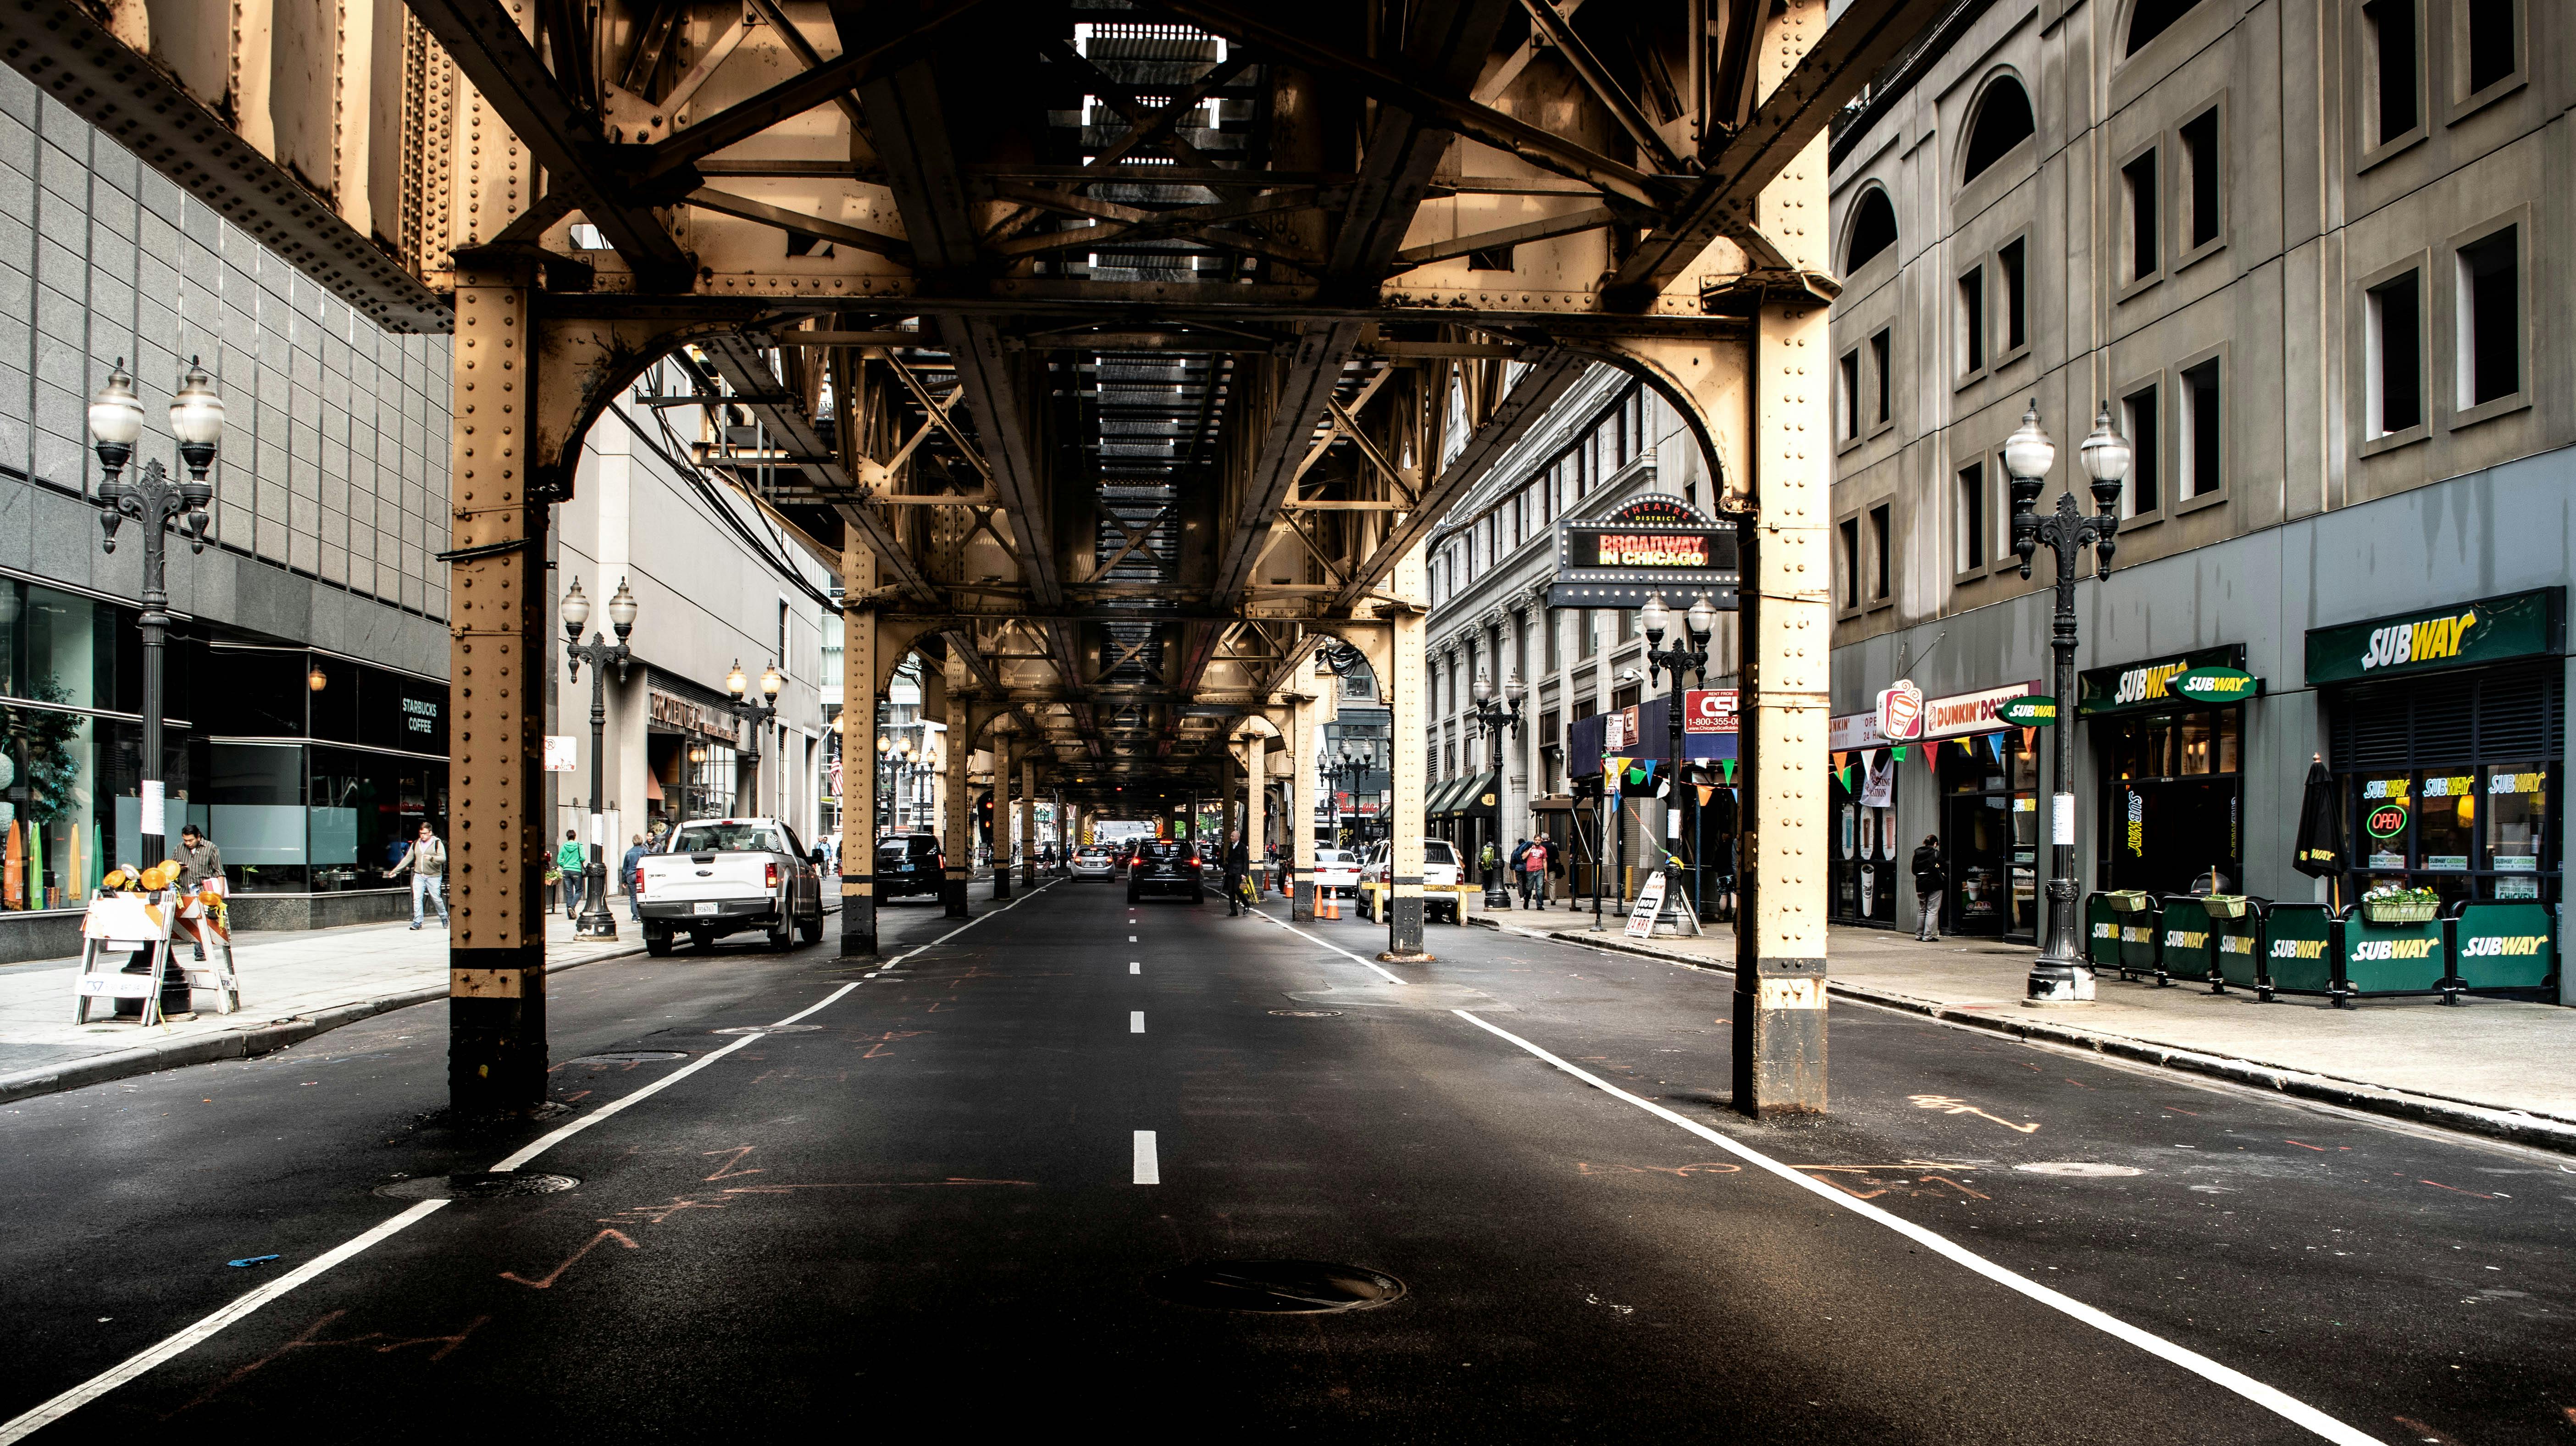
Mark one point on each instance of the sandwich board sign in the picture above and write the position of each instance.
(1650, 902)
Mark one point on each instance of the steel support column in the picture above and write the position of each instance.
(1305, 789)
(1409, 714)
(1006, 762)
(1256, 754)
(1029, 817)
(958, 820)
(496, 1052)
(858, 754)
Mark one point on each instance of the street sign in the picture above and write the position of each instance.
(560, 752)
(2033, 712)
(1653, 546)
(1708, 710)
(1900, 711)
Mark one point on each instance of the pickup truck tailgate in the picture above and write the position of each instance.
(687, 878)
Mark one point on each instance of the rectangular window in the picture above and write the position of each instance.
(1547, 625)
(2488, 42)
(2396, 360)
(2140, 420)
(782, 637)
(2490, 319)
(1587, 632)
(2388, 29)
(1627, 623)
(1619, 439)
(2138, 181)
(1851, 393)
(1882, 349)
(1882, 544)
(2204, 447)
(1851, 564)
(1972, 322)
(2200, 179)
(2012, 274)
(1971, 550)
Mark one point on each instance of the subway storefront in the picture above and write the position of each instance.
(2172, 770)
(2445, 730)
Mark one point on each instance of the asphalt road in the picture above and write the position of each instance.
(920, 1208)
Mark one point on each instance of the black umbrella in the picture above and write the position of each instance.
(2321, 837)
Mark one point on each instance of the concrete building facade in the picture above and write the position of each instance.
(2304, 255)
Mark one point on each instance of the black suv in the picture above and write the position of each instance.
(1166, 866)
(910, 863)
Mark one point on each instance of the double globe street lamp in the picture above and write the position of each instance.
(1497, 715)
(1336, 769)
(758, 714)
(596, 922)
(156, 500)
(2060, 976)
(1688, 654)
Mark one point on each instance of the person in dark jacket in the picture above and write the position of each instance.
(1930, 872)
(1238, 867)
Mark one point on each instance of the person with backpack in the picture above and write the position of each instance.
(1930, 872)
(569, 861)
(1238, 869)
(426, 862)
(1513, 871)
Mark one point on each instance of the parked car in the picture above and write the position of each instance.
(714, 877)
(1095, 861)
(910, 863)
(1166, 866)
(1337, 872)
(1443, 895)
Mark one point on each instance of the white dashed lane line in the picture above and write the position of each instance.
(1149, 1165)
(1135, 1021)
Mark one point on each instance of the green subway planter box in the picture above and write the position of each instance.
(2400, 911)
(2129, 901)
(2188, 943)
(2298, 948)
(2394, 958)
(2101, 933)
(2227, 906)
(2497, 945)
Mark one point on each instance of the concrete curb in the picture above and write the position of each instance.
(244, 1042)
(2542, 1131)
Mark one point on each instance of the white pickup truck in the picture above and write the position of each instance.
(719, 876)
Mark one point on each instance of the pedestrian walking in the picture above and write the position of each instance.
(1929, 873)
(568, 862)
(1515, 872)
(426, 862)
(1555, 871)
(1534, 874)
(626, 875)
(1488, 860)
(200, 862)
(1238, 868)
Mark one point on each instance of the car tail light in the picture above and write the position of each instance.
(769, 876)
(639, 883)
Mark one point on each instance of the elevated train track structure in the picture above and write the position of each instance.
(1119, 355)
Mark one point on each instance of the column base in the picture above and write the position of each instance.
(1301, 901)
(2058, 984)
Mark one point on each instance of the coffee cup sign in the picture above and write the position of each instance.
(1900, 711)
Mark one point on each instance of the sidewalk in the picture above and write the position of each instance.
(294, 985)
(2494, 1067)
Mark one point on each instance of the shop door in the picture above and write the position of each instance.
(2167, 834)
(1867, 856)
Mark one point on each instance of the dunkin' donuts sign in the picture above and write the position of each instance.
(1900, 711)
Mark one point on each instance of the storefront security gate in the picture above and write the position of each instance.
(2501, 948)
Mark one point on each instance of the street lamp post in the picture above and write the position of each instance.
(1337, 768)
(757, 714)
(692, 802)
(157, 500)
(2060, 975)
(596, 922)
(1688, 653)
(1497, 716)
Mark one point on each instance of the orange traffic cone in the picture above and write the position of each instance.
(1332, 907)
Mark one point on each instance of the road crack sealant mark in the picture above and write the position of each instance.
(1950, 1106)
(547, 1281)
(36, 1418)
(382, 1342)
(2278, 1402)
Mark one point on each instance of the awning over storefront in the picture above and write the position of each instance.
(1642, 729)
(1463, 795)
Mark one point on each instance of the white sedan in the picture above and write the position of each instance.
(1337, 872)
(1096, 861)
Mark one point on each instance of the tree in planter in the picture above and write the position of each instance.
(46, 781)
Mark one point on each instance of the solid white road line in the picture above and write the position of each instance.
(1336, 948)
(1149, 1166)
(19, 1427)
(2290, 1409)
(1135, 1021)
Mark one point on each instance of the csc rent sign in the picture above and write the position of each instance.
(1708, 710)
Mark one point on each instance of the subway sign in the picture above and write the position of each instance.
(2216, 685)
(1652, 546)
(2157, 682)
(2518, 625)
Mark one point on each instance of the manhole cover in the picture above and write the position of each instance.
(1275, 1287)
(1308, 1013)
(626, 1056)
(478, 1185)
(2080, 1169)
(772, 1029)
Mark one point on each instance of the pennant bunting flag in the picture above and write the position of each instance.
(1869, 759)
(1845, 774)
(1727, 765)
(1707, 791)
(1932, 756)
(2029, 741)
(1900, 753)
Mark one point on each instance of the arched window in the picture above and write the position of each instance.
(2152, 18)
(1873, 229)
(2003, 122)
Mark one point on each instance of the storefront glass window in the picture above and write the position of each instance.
(2517, 800)
(49, 839)
(2446, 821)
(1990, 832)
(2172, 800)
(2465, 833)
